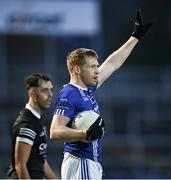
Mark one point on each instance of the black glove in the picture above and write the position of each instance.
(140, 29)
(96, 130)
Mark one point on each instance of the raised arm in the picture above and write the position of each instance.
(115, 60)
(118, 57)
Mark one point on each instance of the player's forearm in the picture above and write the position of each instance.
(48, 171)
(64, 133)
(116, 59)
(22, 171)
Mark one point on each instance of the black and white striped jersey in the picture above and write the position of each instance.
(30, 129)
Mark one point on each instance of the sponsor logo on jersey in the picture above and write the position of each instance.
(43, 133)
(42, 148)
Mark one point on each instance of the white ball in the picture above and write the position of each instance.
(84, 120)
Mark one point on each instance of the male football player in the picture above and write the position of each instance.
(83, 160)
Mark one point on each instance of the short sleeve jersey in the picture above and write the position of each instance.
(70, 101)
(30, 129)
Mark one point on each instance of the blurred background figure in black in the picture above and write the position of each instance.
(35, 36)
(29, 138)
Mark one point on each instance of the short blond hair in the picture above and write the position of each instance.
(78, 57)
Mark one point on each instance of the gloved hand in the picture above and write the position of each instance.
(96, 130)
(140, 29)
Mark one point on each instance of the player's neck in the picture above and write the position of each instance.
(78, 83)
(34, 106)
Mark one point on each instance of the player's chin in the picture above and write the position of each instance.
(47, 105)
(94, 82)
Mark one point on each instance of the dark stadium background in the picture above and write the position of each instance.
(135, 101)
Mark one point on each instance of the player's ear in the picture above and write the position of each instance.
(32, 93)
(76, 69)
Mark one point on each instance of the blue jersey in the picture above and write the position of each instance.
(70, 101)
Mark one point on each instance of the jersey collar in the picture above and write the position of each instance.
(33, 111)
(79, 87)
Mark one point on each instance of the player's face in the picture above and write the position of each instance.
(89, 72)
(44, 94)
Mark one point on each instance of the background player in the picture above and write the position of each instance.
(29, 146)
(83, 160)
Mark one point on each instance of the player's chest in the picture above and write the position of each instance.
(41, 135)
(88, 102)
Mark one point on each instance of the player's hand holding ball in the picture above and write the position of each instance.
(96, 130)
(91, 122)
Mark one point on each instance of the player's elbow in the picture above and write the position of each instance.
(53, 134)
(19, 166)
(57, 133)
